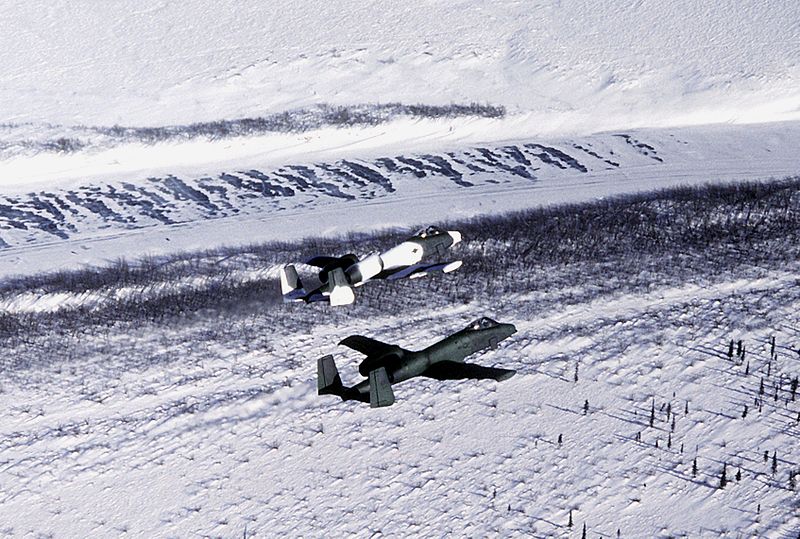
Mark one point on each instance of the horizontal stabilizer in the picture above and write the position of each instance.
(452, 370)
(380, 390)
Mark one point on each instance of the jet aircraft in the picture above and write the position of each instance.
(388, 364)
(339, 275)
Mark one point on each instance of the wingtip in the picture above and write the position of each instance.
(506, 376)
(455, 235)
(347, 341)
(452, 266)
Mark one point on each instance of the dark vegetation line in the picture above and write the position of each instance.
(291, 121)
(626, 243)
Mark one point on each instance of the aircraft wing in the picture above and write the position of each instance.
(366, 346)
(453, 370)
(419, 270)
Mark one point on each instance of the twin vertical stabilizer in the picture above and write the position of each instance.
(290, 281)
(328, 380)
(380, 390)
(330, 383)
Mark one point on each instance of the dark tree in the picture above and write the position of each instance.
(569, 524)
(686, 408)
(653, 412)
(761, 387)
(585, 406)
(730, 350)
(774, 461)
(739, 474)
(694, 467)
(559, 439)
(744, 412)
(747, 369)
(723, 480)
(583, 535)
(739, 348)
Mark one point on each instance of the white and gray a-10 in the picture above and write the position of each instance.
(387, 364)
(339, 275)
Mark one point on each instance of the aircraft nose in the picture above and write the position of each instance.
(455, 234)
(507, 330)
(500, 332)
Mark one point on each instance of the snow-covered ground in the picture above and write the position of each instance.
(251, 200)
(570, 64)
(130, 130)
(562, 70)
(210, 424)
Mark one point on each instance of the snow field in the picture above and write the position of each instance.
(209, 423)
(185, 404)
(209, 439)
(570, 65)
(70, 225)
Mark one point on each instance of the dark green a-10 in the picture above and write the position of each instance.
(387, 364)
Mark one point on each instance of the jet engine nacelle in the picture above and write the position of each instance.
(365, 269)
(390, 360)
(343, 262)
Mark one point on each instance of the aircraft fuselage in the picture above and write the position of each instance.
(402, 365)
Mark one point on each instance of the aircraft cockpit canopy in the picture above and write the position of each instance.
(483, 323)
(429, 231)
